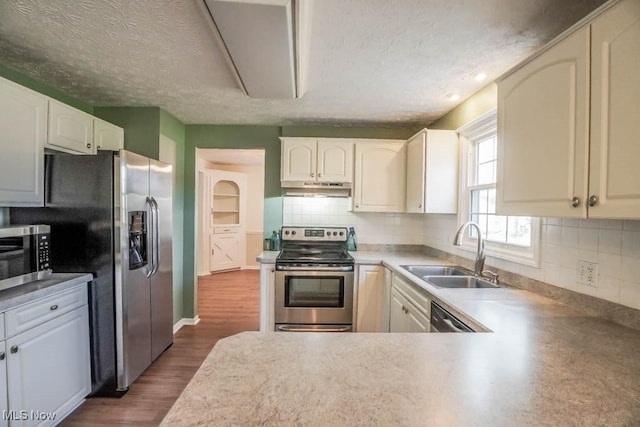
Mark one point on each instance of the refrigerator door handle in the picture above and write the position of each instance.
(156, 236)
(150, 237)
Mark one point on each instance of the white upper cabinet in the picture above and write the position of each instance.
(432, 172)
(107, 136)
(567, 124)
(70, 129)
(614, 180)
(543, 134)
(23, 126)
(379, 182)
(298, 159)
(321, 160)
(335, 160)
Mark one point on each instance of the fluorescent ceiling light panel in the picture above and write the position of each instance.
(259, 37)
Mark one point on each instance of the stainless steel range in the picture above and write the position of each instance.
(314, 281)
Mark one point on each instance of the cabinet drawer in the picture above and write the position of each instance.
(412, 293)
(225, 230)
(44, 309)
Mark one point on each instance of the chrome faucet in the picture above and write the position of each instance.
(479, 267)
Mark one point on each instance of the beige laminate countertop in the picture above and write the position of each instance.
(544, 364)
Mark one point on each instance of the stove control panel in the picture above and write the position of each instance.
(333, 234)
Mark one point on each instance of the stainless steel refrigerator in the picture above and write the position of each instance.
(110, 215)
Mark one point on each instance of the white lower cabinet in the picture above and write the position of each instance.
(267, 297)
(409, 308)
(225, 251)
(47, 368)
(371, 308)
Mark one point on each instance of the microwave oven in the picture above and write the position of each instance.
(24, 254)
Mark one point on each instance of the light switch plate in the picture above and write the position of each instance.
(588, 273)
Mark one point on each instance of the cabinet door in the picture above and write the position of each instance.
(70, 129)
(335, 161)
(371, 298)
(397, 315)
(4, 403)
(388, 278)
(298, 159)
(23, 126)
(107, 136)
(615, 110)
(379, 176)
(416, 158)
(543, 133)
(441, 172)
(225, 251)
(267, 294)
(49, 367)
(416, 320)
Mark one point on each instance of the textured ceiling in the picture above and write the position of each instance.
(372, 62)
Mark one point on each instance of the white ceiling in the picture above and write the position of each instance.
(372, 62)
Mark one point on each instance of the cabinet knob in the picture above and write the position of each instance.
(420, 205)
(3, 355)
(273, 269)
(575, 202)
(593, 200)
(357, 205)
(312, 174)
(319, 175)
(14, 349)
(53, 307)
(89, 145)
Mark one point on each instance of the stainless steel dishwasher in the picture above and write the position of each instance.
(443, 321)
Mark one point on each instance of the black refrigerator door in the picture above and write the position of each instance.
(79, 207)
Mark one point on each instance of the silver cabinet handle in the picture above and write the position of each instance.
(88, 145)
(273, 270)
(319, 175)
(3, 355)
(53, 307)
(357, 205)
(14, 349)
(312, 174)
(420, 205)
(575, 202)
(593, 200)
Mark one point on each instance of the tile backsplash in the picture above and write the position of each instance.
(614, 245)
(371, 228)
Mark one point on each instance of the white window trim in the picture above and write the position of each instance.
(530, 256)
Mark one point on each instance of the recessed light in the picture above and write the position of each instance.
(480, 76)
(453, 96)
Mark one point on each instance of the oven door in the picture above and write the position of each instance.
(314, 297)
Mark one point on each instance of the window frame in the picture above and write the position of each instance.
(481, 127)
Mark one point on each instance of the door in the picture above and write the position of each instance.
(397, 315)
(161, 286)
(415, 173)
(225, 251)
(379, 176)
(298, 159)
(543, 133)
(49, 368)
(70, 129)
(370, 313)
(4, 402)
(335, 161)
(23, 125)
(615, 91)
(133, 303)
(107, 136)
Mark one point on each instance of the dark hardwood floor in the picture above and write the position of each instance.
(228, 303)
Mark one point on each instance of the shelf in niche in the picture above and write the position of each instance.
(225, 195)
(225, 210)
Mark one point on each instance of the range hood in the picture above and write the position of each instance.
(312, 188)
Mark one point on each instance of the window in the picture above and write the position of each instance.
(515, 238)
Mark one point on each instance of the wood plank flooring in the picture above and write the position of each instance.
(228, 303)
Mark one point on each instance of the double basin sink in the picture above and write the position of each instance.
(451, 277)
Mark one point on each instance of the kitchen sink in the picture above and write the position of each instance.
(422, 271)
(459, 282)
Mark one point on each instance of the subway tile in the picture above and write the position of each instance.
(570, 222)
(630, 294)
(609, 264)
(609, 289)
(610, 241)
(589, 223)
(553, 221)
(587, 255)
(632, 225)
(588, 239)
(570, 237)
(611, 224)
(553, 235)
(630, 269)
(631, 243)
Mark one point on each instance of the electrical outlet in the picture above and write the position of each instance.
(588, 273)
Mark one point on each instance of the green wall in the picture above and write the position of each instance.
(349, 132)
(484, 100)
(44, 89)
(141, 127)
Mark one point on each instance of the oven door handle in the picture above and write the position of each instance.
(286, 328)
(292, 268)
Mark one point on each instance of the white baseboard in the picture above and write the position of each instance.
(189, 321)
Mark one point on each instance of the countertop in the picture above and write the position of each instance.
(28, 292)
(544, 364)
